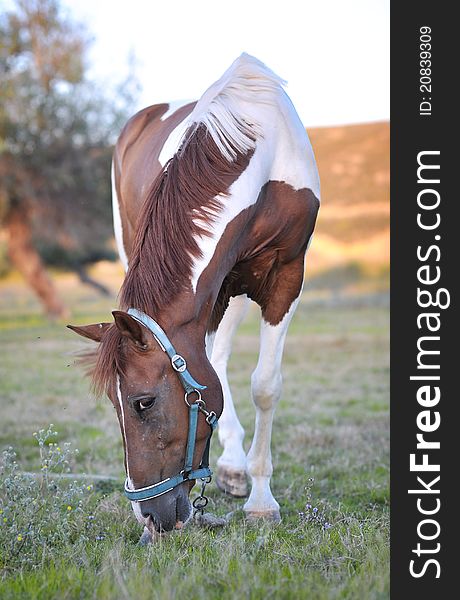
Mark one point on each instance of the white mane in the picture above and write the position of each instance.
(222, 107)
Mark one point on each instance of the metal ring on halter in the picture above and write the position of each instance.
(210, 416)
(201, 403)
(200, 503)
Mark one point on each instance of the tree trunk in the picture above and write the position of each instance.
(27, 261)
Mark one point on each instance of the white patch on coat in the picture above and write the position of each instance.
(136, 506)
(123, 429)
(209, 343)
(130, 484)
(117, 225)
(174, 139)
(173, 106)
(173, 142)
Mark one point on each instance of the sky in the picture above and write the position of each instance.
(334, 54)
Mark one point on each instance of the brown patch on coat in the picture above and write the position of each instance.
(261, 252)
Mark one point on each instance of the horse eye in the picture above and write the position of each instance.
(146, 403)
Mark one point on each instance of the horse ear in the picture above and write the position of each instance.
(93, 332)
(131, 328)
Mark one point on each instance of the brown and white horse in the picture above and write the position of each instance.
(214, 204)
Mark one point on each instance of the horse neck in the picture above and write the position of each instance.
(186, 317)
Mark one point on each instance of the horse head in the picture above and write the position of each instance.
(166, 417)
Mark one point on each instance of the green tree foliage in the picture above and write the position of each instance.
(56, 134)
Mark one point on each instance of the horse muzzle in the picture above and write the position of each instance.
(166, 512)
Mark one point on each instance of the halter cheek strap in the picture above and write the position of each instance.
(190, 386)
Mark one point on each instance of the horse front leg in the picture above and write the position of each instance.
(266, 385)
(231, 465)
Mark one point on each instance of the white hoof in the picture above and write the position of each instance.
(272, 515)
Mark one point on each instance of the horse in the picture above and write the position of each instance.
(214, 206)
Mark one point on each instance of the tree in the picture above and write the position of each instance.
(56, 133)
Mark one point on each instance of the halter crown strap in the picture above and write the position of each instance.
(177, 361)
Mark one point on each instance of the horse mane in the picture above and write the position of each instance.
(186, 197)
(180, 206)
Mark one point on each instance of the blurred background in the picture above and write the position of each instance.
(73, 72)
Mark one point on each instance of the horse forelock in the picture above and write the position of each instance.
(105, 361)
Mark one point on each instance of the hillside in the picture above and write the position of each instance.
(354, 220)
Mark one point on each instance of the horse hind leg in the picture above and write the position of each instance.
(266, 384)
(231, 465)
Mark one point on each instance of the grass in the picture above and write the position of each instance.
(331, 425)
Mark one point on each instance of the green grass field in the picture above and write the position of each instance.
(332, 425)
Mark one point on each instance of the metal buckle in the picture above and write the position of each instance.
(180, 368)
(201, 403)
(211, 416)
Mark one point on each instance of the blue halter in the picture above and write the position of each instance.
(190, 386)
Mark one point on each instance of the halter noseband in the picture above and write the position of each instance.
(190, 386)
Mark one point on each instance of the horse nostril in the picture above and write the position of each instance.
(152, 519)
(164, 512)
(146, 512)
